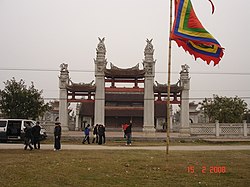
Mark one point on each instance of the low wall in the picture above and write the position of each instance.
(48, 126)
(220, 129)
(196, 129)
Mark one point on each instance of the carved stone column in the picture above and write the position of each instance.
(63, 103)
(171, 118)
(149, 67)
(185, 84)
(78, 124)
(100, 66)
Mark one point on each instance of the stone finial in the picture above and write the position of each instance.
(149, 49)
(64, 67)
(64, 76)
(184, 68)
(101, 46)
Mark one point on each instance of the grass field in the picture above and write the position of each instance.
(124, 168)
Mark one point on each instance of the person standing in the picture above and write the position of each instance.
(95, 134)
(124, 126)
(28, 136)
(104, 136)
(101, 133)
(86, 132)
(36, 135)
(128, 133)
(57, 135)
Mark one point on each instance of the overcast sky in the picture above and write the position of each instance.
(42, 34)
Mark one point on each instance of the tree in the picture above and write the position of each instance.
(226, 110)
(19, 101)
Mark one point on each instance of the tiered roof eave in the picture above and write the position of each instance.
(124, 73)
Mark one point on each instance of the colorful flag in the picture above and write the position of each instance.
(189, 33)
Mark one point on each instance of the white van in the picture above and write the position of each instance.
(13, 129)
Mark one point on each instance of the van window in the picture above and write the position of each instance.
(3, 123)
(14, 128)
(27, 124)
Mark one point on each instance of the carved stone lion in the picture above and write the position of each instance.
(64, 67)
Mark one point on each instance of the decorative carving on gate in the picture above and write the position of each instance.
(101, 46)
(149, 49)
(184, 68)
(64, 67)
(148, 68)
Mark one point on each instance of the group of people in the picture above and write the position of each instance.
(98, 134)
(32, 136)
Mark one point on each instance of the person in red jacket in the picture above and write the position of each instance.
(128, 133)
(124, 126)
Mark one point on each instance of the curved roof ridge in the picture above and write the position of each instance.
(133, 72)
(113, 67)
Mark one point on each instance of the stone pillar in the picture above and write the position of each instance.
(171, 118)
(149, 67)
(185, 84)
(217, 128)
(245, 127)
(100, 66)
(77, 125)
(63, 96)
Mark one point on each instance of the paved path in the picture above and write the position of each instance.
(106, 147)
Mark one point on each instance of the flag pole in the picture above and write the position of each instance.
(169, 76)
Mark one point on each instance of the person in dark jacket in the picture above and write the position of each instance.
(101, 134)
(95, 133)
(36, 135)
(128, 133)
(57, 135)
(28, 136)
(86, 132)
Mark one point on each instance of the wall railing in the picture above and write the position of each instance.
(220, 129)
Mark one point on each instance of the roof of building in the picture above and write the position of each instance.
(133, 72)
(163, 88)
(81, 87)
